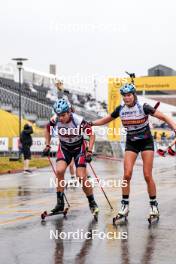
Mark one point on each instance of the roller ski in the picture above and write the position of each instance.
(164, 153)
(58, 209)
(94, 210)
(154, 213)
(28, 171)
(121, 217)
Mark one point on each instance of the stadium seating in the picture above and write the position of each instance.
(36, 106)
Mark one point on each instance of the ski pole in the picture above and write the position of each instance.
(98, 180)
(56, 176)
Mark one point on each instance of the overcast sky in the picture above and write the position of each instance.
(87, 39)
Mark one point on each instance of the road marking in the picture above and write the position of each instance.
(16, 211)
(19, 219)
(37, 213)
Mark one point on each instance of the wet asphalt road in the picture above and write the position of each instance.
(24, 239)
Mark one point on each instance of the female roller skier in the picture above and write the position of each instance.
(134, 117)
(72, 146)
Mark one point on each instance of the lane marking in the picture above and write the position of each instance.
(22, 218)
(37, 213)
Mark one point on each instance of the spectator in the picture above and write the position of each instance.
(26, 143)
(163, 138)
(155, 136)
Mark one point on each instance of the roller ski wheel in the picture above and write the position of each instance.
(120, 219)
(46, 214)
(153, 219)
(43, 215)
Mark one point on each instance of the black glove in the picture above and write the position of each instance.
(46, 151)
(89, 156)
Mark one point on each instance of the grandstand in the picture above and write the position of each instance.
(38, 94)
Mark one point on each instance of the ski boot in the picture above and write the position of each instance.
(121, 217)
(94, 209)
(154, 213)
(58, 209)
(27, 171)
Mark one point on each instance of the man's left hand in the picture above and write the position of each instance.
(89, 156)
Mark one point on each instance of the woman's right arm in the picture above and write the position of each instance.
(108, 118)
(102, 121)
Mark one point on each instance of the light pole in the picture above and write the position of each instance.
(19, 67)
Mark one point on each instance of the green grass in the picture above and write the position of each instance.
(7, 166)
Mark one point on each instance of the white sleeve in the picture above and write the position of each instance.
(77, 119)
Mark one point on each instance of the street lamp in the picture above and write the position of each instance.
(19, 67)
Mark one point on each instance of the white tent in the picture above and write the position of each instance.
(163, 107)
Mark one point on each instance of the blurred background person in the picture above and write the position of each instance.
(25, 144)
